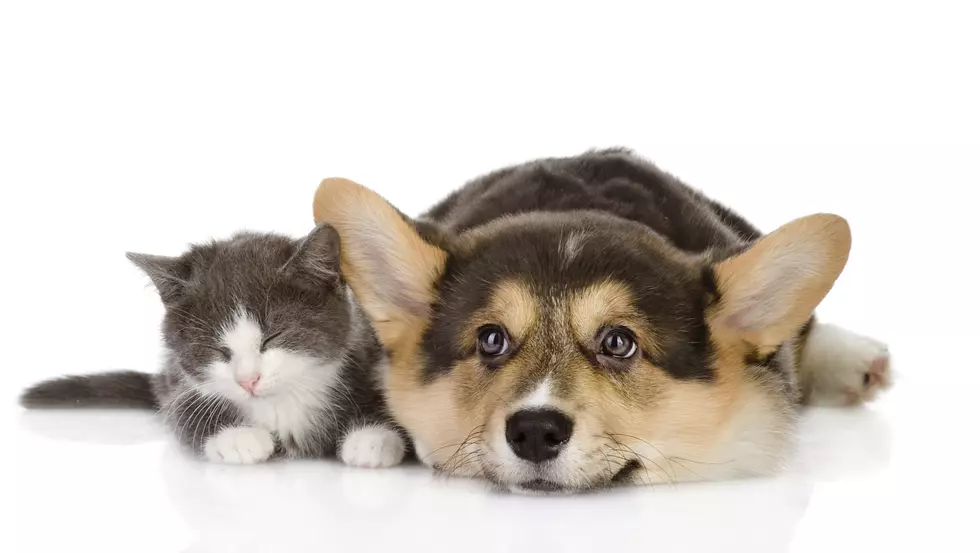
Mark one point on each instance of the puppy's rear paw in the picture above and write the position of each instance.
(879, 375)
(241, 445)
(372, 447)
(840, 367)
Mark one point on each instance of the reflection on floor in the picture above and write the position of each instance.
(303, 506)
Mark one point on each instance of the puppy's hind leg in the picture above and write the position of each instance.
(842, 368)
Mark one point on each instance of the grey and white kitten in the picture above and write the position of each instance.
(267, 355)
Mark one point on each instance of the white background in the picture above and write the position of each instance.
(146, 126)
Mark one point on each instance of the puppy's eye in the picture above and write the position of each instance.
(268, 340)
(618, 343)
(493, 341)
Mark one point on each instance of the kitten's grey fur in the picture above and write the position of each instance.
(300, 314)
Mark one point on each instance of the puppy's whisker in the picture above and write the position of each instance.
(672, 479)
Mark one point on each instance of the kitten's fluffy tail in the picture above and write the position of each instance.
(112, 389)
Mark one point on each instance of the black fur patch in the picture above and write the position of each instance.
(632, 466)
(758, 359)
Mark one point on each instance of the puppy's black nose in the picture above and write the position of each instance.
(537, 435)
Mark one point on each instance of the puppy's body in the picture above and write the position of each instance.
(570, 323)
(612, 182)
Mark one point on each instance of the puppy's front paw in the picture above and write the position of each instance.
(841, 367)
(372, 447)
(240, 445)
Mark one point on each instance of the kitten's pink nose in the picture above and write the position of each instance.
(249, 384)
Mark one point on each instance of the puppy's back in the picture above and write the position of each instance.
(614, 181)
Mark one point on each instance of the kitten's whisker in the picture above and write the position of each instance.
(206, 405)
(218, 406)
(172, 401)
(183, 417)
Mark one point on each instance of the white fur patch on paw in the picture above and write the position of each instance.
(841, 367)
(240, 445)
(372, 447)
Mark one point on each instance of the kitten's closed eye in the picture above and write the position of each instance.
(225, 353)
(268, 341)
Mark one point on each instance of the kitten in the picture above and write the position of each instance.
(267, 355)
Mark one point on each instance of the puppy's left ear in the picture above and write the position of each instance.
(390, 267)
(317, 257)
(770, 290)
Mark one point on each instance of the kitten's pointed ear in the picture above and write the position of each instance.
(389, 266)
(770, 290)
(169, 274)
(317, 257)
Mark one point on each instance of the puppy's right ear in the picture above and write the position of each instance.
(389, 266)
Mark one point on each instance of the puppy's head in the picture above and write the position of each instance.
(561, 352)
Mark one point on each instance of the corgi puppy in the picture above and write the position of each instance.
(574, 323)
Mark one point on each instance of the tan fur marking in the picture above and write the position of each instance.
(512, 304)
(609, 303)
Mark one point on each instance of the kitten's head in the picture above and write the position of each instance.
(257, 315)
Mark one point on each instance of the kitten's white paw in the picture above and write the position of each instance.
(241, 445)
(840, 367)
(372, 447)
